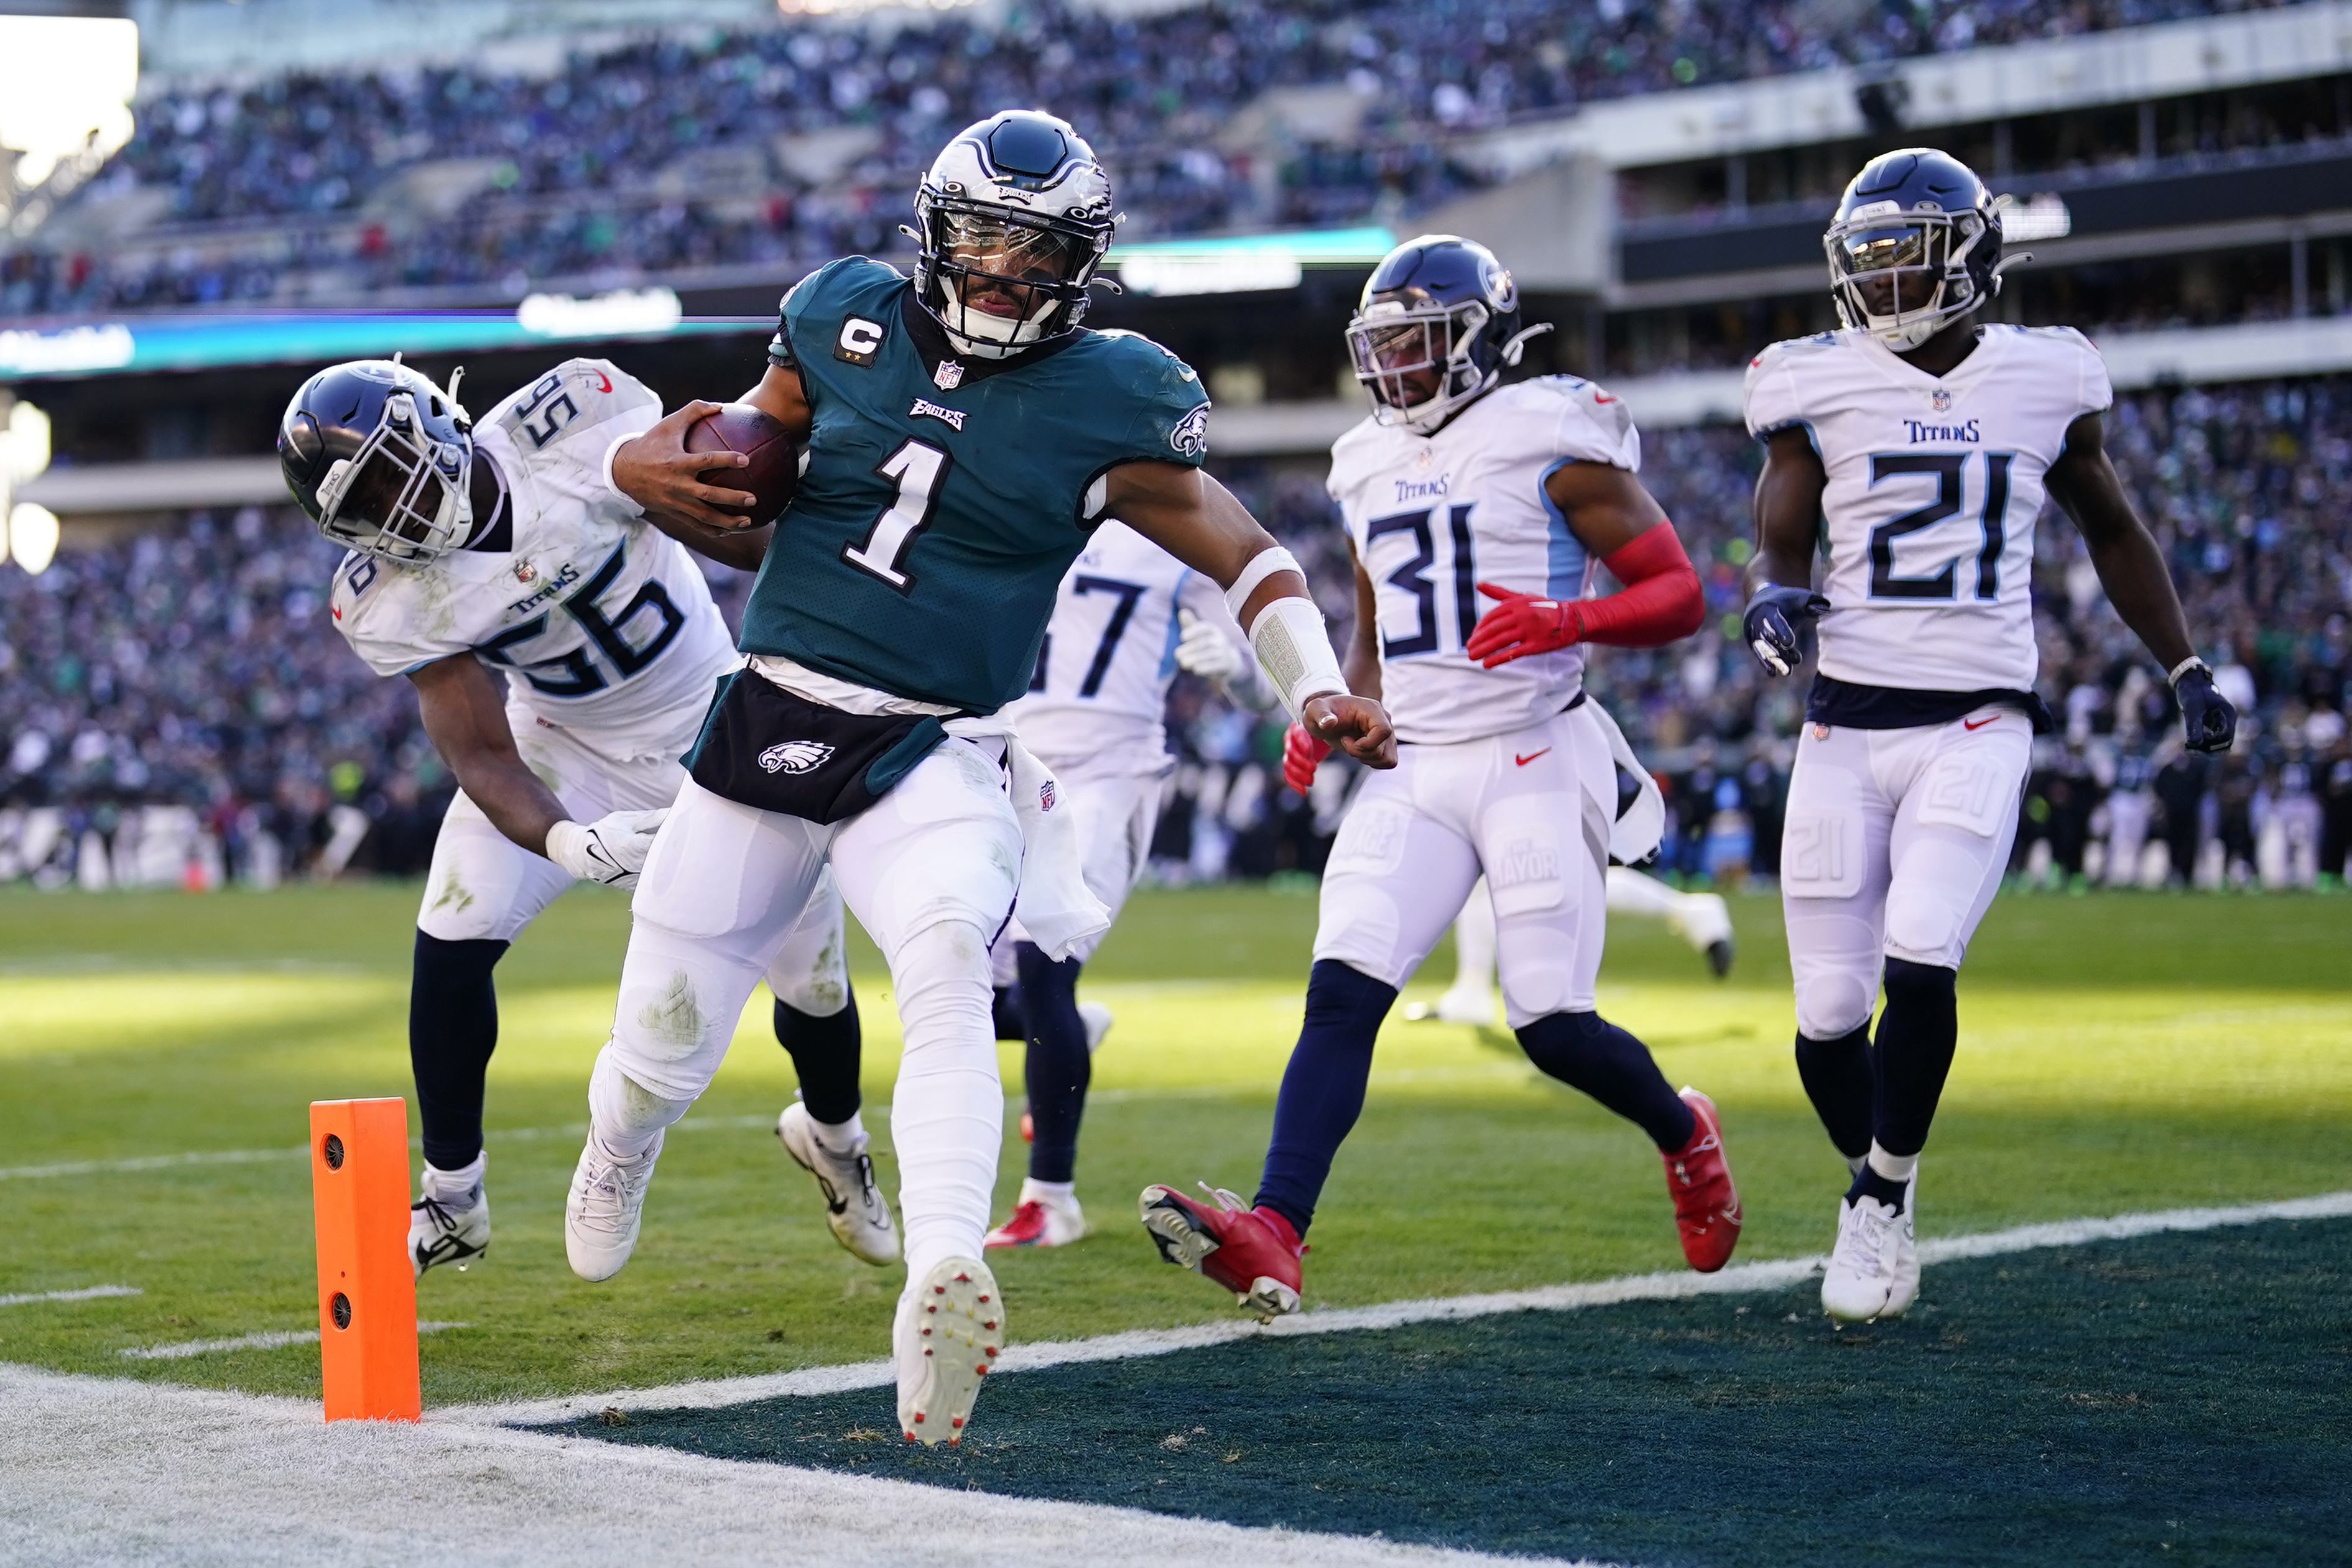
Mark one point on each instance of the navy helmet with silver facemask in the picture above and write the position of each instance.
(382, 459)
(1437, 326)
(1915, 244)
(1011, 222)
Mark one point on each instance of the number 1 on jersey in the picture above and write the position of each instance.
(916, 470)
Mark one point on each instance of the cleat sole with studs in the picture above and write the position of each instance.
(963, 1312)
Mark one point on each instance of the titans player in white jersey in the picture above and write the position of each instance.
(1477, 514)
(1128, 617)
(503, 548)
(1915, 446)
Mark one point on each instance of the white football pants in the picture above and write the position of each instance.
(931, 871)
(1117, 810)
(483, 886)
(1895, 845)
(1627, 892)
(1531, 809)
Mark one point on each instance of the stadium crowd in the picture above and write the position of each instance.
(797, 142)
(189, 671)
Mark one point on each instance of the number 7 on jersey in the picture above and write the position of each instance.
(915, 470)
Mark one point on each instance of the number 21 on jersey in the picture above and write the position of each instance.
(1950, 475)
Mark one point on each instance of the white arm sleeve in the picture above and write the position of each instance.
(1294, 651)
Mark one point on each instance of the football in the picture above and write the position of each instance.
(775, 467)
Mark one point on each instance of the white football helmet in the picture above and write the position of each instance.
(1011, 223)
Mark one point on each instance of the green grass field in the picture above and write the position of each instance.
(2118, 1053)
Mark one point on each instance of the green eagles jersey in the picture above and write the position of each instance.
(944, 498)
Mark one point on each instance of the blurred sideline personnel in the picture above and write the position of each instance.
(1128, 616)
(502, 548)
(1916, 446)
(964, 433)
(1458, 489)
(1701, 919)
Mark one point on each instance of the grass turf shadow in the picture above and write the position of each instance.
(2183, 1395)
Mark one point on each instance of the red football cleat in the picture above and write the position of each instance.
(1706, 1206)
(1253, 1252)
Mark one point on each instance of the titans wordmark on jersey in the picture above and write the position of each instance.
(1934, 487)
(603, 625)
(1432, 516)
(1101, 691)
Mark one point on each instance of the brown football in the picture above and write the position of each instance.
(775, 470)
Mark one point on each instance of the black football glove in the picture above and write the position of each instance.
(2208, 719)
(1775, 617)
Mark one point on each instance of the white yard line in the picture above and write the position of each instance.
(1767, 1275)
(112, 1470)
(300, 1151)
(86, 1293)
(264, 1339)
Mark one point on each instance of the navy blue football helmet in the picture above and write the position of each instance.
(1438, 323)
(1011, 222)
(1915, 244)
(381, 458)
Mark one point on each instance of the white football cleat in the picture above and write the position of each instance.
(1040, 1219)
(1470, 1005)
(854, 1207)
(1096, 1016)
(1905, 1289)
(607, 1203)
(950, 1328)
(1860, 1279)
(442, 1233)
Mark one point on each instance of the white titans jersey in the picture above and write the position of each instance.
(1101, 687)
(1432, 516)
(603, 625)
(1934, 487)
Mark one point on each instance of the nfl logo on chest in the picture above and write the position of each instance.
(1941, 398)
(1046, 796)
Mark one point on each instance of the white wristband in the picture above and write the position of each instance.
(612, 450)
(567, 846)
(1294, 651)
(2192, 663)
(1263, 565)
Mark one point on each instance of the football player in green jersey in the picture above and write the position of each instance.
(962, 433)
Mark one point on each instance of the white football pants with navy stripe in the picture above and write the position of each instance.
(1531, 809)
(929, 871)
(485, 887)
(1895, 844)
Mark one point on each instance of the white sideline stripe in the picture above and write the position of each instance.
(86, 1293)
(300, 1150)
(118, 1470)
(265, 1339)
(1769, 1274)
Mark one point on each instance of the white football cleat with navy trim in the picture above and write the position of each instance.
(949, 1332)
(855, 1208)
(442, 1233)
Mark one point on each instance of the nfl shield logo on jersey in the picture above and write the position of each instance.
(1046, 796)
(795, 755)
(949, 375)
(1941, 398)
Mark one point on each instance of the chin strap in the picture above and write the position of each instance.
(1518, 341)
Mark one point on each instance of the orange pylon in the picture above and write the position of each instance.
(367, 1287)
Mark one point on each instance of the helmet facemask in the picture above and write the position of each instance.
(1903, 277)
(403, 495)
(999, 280)
(1416, 357)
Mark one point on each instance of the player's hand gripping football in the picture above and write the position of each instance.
(2210, 719)
(1776, 617)
(1520, 624)
(1357, 726)
(611, 850)
(660, 475)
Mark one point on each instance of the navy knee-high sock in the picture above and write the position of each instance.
(1059, 1066)
(1323, 1087)
(1917, 1033)
(452, 1028)
(825, 1053)
(1004, 1012)
(1837, 1078)
(1585, 1051)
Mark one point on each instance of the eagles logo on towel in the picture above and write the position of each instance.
(795, 755)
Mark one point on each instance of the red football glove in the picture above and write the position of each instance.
(1521, 624)
(1300, 754)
